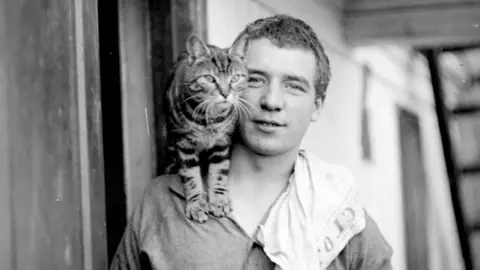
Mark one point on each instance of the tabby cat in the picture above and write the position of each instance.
(203, 106)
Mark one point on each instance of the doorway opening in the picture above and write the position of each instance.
(111, 98)
(414, 190)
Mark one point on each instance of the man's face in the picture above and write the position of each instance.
(281, 89)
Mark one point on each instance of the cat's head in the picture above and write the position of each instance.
(214, 78)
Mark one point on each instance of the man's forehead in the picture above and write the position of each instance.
(265, 56)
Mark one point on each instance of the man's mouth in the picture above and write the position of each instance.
(268, 123)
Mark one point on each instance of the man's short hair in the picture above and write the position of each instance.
(286, 31)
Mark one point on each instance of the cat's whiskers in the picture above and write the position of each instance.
(246, 107)
(191, 97)
(204, 107)
(241, 111)
(208, 115)
(199, 108)
(245, 112)
(246, 102)
(236, 112)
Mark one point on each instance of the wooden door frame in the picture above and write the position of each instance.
(136, 91)
(152, 34)
(90, 134)
(404, 116)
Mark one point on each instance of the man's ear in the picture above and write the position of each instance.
(317, 109)
(196, 48)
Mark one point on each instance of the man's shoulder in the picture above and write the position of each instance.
(158, 193)
(369, 249)
(371, 233)
(157, 203)
(336, 174)
(159, 186)
(163, 183)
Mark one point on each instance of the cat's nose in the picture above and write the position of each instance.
(224, 91)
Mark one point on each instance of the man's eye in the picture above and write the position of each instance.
(255, 82)
(295, 87)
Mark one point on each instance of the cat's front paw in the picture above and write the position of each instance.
(219, 204)
(197, 210)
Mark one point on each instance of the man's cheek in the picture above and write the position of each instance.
(251, 99)
(247, 94)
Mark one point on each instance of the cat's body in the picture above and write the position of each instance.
(203, 106)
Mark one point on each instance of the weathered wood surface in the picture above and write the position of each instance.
(50, 136)
(420, 23)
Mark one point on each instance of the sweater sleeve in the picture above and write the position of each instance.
(369, 249)
(366, 250)
(129, 254)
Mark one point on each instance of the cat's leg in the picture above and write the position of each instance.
(171, 160)
(189, 171)
(218, 195)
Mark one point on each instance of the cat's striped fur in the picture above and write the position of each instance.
(203, 106)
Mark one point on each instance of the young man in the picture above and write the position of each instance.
(280, 215)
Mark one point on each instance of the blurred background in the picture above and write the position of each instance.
(80, 82)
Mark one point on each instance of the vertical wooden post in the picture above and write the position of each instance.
(51, 163)
(90, 135)
(442, 116)
(137, 98)
(6, 253)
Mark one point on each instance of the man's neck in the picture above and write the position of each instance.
(251, 169)
(255, 181)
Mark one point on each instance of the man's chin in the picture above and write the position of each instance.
(265, 149)
(262, 144)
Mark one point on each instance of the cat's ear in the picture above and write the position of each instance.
(196, 47)
(239, 46)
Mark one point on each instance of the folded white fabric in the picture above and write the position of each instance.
(316, 216)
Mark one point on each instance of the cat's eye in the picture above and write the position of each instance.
(195, 87)
(209, 78)
(235, 78)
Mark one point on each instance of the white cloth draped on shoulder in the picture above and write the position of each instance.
(314, 218)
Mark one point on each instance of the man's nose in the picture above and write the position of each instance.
(272, 99)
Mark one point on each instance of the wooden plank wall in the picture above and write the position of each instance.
(5, 190)
(50, 143)
(417, 22)
(405, 4)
